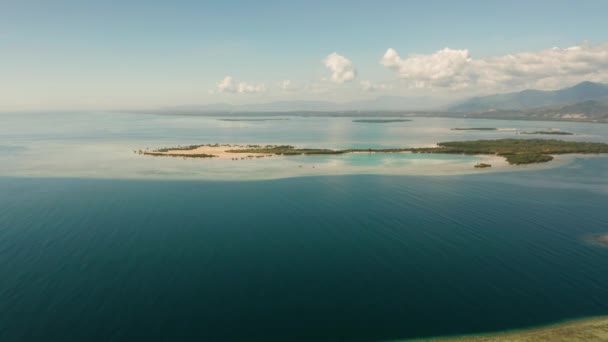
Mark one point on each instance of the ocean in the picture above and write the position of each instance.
(100, 244)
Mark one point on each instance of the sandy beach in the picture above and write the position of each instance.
(219, 151)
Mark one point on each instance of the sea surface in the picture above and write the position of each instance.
(103, 145)
(98, 243)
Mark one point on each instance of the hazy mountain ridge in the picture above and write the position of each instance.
(382, 103)
(585, 111)
(531, 99)
(586, 101)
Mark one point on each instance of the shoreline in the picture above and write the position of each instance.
(514, 151)
(212, 151)
(575, 330)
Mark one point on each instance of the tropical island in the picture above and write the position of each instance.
(515, 151)
(381, 120)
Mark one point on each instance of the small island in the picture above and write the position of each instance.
(475, 129)
(515, 151)
(549, 133)
(518, 151)
(381, 120)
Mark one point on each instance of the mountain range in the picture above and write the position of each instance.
(530, 99)
(382, 103)
(586, 101)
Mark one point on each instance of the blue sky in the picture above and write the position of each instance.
(119, 54)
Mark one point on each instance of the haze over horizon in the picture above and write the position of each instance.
(99, 56)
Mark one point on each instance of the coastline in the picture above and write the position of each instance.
(515, 151)
(283, 167)
(218, 152)
(575, 330)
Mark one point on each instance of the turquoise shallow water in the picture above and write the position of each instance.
(349, 257)
(101, 145)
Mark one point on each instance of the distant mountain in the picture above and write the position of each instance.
(585, 102)
(585, 111)
(529, 99)
(397, 103)
(383, 103)
(279, 106)
(590, 110)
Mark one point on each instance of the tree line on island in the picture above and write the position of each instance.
(515, 151)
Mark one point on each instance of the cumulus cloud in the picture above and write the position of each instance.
(228, 85)
(287, 85)
(442, 68)
(369, 86)
(341, 68)
(246, 88)
(457, 69)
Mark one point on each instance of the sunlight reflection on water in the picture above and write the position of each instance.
(101, 145)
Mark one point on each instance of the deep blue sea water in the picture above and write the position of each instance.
(358, 258)
(100, 244)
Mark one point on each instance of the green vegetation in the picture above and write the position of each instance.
(517, 151)
(506, 146)
(482, 165)
(286, 150)
(377, 150)
(187, 147)
(527, 158)
(381, 120)
(549, 132)
(290, 150)
(199, 155)
(475, 129)
(179, 148)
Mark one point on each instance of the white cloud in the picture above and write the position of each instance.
(287, 85)
(369, 86)
(341, 68)
(442, 68)
(544, 69)
(228, 85)
(246, 88)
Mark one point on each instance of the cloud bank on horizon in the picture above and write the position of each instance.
(458, 70)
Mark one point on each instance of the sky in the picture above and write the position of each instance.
(60, 54)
